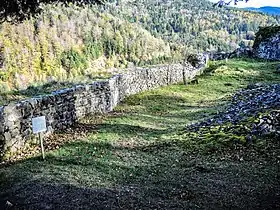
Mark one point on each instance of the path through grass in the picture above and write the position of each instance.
(138, 157)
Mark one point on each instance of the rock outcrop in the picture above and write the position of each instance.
(267, 43)
(254, 112)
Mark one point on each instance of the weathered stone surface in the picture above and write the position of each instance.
(269, 48)
(254, 111)
(2, 128)
(7, 136)
(240, 52)
(64, 107)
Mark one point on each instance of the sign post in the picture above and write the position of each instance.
(42, 145)
(39, 126)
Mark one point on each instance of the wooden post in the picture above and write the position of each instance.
(42, 145)
(38, 127)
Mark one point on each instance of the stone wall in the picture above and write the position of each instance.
(238, 53)
(64, 107)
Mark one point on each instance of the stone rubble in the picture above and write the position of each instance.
(253, 112)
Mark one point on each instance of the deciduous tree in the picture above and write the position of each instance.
(222, 3)
(16, 10)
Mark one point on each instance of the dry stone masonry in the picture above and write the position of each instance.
(64, 107)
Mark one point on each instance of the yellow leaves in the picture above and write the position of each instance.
(34, 47)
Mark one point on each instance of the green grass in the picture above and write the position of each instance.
(142, 142)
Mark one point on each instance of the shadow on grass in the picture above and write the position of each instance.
(94, 161)
(157, 105)
(63, 196)
(136, 178)
(113, 169)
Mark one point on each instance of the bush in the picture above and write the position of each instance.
(93, 49)
(73, 60)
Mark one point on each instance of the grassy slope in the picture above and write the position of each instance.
(138, 156)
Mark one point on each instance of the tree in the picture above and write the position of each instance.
(222, 3)
(17, 10)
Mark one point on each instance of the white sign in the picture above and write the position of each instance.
(39, 124)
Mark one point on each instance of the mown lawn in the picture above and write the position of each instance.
(139, 156)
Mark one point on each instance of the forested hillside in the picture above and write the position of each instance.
(196, 24)
(70, 43)
(65, 43)
(266, 10)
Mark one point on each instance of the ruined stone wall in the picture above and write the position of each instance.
(64, 107)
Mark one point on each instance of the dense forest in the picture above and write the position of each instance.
(67, 42)
(64, 43)
(194, 24)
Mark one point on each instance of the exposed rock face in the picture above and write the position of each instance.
(266, 46)
(269, 49)
(197, 60)
(267, 43)
(240, 52)
(64, 107)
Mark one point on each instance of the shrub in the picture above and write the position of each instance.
(73, 60)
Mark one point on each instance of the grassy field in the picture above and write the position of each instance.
(140, 157)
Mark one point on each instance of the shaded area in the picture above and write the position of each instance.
(14, 10)
(138, 158)
(173, 179)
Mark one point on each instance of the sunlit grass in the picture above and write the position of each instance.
(142, 138)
